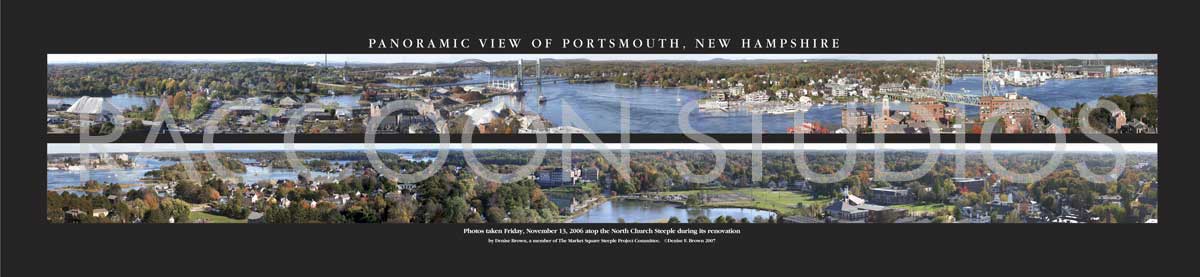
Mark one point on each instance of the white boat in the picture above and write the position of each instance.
(714, 105)
(789, 108)
(783, 110)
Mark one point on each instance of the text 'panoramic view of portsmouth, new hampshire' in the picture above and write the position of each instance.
(592, 93)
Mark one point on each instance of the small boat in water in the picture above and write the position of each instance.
(714, 105)
(786, 109)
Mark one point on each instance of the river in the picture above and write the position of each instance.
(656, 110)
(643, 211)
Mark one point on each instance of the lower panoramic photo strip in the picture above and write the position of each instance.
(602, 183)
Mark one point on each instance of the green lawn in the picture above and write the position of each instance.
(924, 208)
(766, 199)
(212, 218)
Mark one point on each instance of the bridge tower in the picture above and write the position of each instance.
(520, 71)
(989, 88)
(938, 72)
(539, 79)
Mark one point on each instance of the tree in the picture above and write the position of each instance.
(625, 187)
(673, 220)
(150, 198)
(113, 189)
(1013, 217)
(177, 209)
(694, 200)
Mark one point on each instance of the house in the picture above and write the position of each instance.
(1001, 206)
(1108, 199)
(288, 102)
(255, 217)
(971, 215)
(318, 113)
(72, 215)
(55, 120)
(101, 212)
(344, 113)
(799, 185)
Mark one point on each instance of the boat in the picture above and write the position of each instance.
(783, 110)
(714, 105)
(787, 109)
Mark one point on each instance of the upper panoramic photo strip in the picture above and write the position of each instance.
(589, 93)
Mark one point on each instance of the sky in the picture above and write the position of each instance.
(72, 148)
(445, 58)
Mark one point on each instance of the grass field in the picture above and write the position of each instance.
(212, 218)
(765, 199)
(925, 208)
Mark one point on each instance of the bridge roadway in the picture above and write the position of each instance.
(459, 64)
(940, 95)
(524, 81)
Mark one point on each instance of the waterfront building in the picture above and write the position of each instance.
(757, 97)
(738, 90)
(1089, 71)
(590, 174)
(857, 118)
(556, 177)
(927, 109)
(841, 88)
(990, 106)
(784, 94)
(95, 107)
(808, 128)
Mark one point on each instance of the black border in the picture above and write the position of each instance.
(33, 246)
